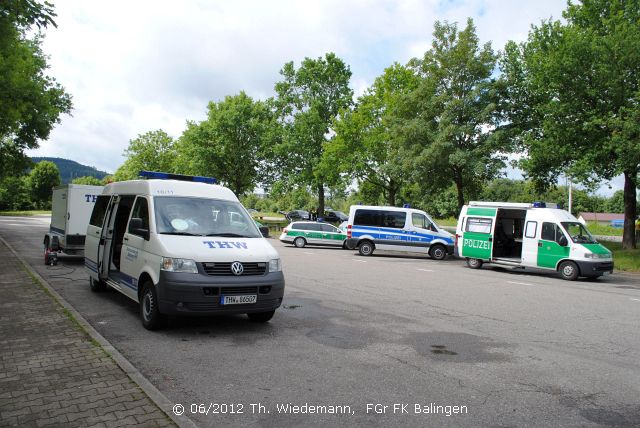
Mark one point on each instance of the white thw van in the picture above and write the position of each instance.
(529, 235)
(371, 228)
(182, 247)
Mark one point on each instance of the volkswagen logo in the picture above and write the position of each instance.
(237, 268)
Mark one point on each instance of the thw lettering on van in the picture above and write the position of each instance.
(91, 198)
(225, 244)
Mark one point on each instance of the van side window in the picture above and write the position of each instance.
(99, 210)
(550, 232)
(367, 218)
(531, 230)
(479, 225)
(141, 211)
(394, 219)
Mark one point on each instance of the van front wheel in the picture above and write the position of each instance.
(569, 271)
(97, 285)
(438, 252)
(474, 263)
(150, 314)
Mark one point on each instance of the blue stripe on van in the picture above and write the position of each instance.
(125, 279)
(358, 231)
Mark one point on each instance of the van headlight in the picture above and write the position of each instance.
(179, 265)
(597, 256)
(275, 265)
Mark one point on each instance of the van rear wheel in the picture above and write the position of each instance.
(438, 252)
(366, 248)
(150, 314)
(569, 271)
(474, 263)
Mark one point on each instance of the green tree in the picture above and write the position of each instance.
(232, 144)
(90, 180)
(308, 100)
(574, 97)
(449, 123)
(152, 151)
(42, 179)
(15, 193)
(364, 146)
(30, 101)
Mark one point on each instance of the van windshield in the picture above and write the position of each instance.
(203, 217)
(578, 233)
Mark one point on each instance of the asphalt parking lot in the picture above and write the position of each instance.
(357, 334)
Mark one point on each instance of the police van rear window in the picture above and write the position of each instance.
(479, 225)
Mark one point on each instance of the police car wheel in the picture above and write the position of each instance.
(97, 286)
(474, 263)
(438, 252)
(569, 271)
(261, 316)
(366, 248)
(299, 242)
(150, 314)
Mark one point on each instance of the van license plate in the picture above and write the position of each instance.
(238, 300)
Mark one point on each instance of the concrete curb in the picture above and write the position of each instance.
(134, 374)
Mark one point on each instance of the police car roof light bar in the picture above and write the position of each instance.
(169, 176)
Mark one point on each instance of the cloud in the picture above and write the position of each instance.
(136, 66)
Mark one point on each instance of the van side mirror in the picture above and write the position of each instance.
(136, 227)
(562, 241)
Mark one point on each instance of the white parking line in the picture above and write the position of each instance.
(637, 300)
(361, 261)
(519, 283)
(307, 252)
(426, 270)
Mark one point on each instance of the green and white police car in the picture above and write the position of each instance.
(302, 233)
(529, 236)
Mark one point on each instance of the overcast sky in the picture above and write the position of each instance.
(137, 66)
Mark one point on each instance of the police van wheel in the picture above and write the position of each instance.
(569, 271)
(97, 286)
(366, 248)
(261, 316)
(299, 242)
(474, 263)
(150, 314)
(438, 252)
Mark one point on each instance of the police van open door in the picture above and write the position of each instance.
(477, 235)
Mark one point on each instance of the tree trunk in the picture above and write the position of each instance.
(460, 190)
(628, 236)
(391, 194)
(320, 200)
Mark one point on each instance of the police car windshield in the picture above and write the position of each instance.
(578, 233)
(203, 217)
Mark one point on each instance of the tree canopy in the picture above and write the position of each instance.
(574, 97)
(151, 151)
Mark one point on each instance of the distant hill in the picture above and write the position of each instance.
(71, 169)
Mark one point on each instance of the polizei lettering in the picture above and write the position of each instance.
(476, 243)
(225, 244)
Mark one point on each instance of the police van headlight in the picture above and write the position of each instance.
(275, 265)
(597, 256)
(179, 265)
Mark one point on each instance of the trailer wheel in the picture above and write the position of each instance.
(474, 263)
(569, 270)
(50, 257)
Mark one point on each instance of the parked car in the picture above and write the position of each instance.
(297, 215)
(302, 233)
(334, 216)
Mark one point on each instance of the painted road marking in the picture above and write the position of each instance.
(637, 300)
(426, 270)
(519, 283)
(361, 261)
(307, 252)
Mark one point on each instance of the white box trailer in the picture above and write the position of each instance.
(71, 208)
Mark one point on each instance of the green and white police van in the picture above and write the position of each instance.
(181, 245)
(529, 236)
